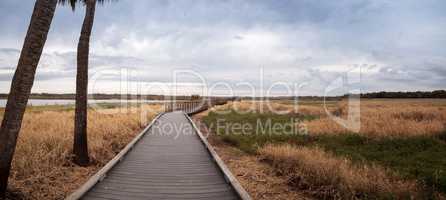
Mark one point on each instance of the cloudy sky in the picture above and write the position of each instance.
(306, 45)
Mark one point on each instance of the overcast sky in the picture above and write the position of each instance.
(308, 44)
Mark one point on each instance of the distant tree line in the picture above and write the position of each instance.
(417, 94)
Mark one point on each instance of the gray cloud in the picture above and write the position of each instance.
(400, 45)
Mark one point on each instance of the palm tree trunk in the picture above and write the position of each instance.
(22, 83)
(80, 145)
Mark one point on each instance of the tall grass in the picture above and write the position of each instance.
(329, 177)
(420, 158)
(379, 118)
(256, 129)
(398, 118)
(42, 167)
(405, 136)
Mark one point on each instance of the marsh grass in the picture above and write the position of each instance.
(326, 176)
(413, 152)
(380, 118)
(420, 158)
(388, 118)
(42, 167)
(249, 140)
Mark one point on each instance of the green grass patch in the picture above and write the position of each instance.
(423, 158)
(252, 130)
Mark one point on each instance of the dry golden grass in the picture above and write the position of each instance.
(325, 175)
(389, 118)
(42, 167)
(253, 107)
(379, 117)
(329, 177)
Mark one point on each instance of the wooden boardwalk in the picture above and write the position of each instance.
(171, 160)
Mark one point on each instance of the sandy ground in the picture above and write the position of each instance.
(258, 178)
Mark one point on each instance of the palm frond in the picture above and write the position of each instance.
(72, 3)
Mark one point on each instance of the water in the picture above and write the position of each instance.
(45, 102)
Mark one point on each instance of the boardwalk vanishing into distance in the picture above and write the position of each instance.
(170, 159)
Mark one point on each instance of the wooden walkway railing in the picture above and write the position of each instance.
(193, 106)
(165, 163)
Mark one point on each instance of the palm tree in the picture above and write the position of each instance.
(80, 145)
(22, 83)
